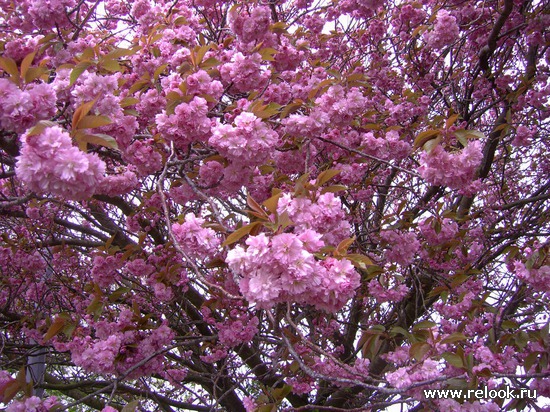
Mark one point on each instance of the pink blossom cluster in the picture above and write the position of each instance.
(251, 27)
(233, 332)
(151, 103)
(523, 136)
(195, 239)
(245, 72)
(210, 173)
(147, 13)
(51, 13)
(335, 108)
(476, 406)
(248, 142)
(539, 278)
(201, 83)
(388, 147)
(18, 48)
(454, 170)
(118, 346)
(456, 310)
(49, 163)
(105, 89)
(327, 367)
(118, 184)
(250, 404)
(324, 215)
(445, 31)
(361, 8)
(33, 404)
(175, 376)
(341, 105)
(408, 375)
(403, 246)
(187, 125)
(289, 57)
(503, 362)
(104, 270)
(382, 294)
(234, 177)
(143, 155)
(21, 109)
(447, 230)
(311, 125)
(283, 269)
(92, 85)
(299, 386)
(280, 93)
(408, 17)
(214, 355)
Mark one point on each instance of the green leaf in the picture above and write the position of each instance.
(359, 261)
(454, 337)
(131, 407)
(239, 233)
(26, 63)
(419, 349)
(398, 330)
(280, 393)
(99, 139)
(117, 294)
(454, 359)
(344, 245)
(268, 54)
(82, 111)
(530, 360)
(159, 71)
(425, 137)
(425, 324)
(34, 73)
(57, 326)
(265, 112)
(418, 30)
(91, 122)
(451, 120)
(95, 307)
(40, 126)
(291, 108)
(139, 85)
(334, 189)
(278, 28)
(77, 71)
(11, 389)
(255, 206)
(10, 67)
(271, 203)
(120, 52)
(326, 175)
(209, 63)
(111, 65)
(87, 54)
(128, 101)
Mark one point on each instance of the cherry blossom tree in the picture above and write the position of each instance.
(273, 205)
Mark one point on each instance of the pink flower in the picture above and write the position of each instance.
(195, 239)
(445, 31)
(456, 170)
(248, 143)
(49, 163)
(188, 124)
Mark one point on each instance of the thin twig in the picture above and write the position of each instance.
(368, 156)
(177, 245)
